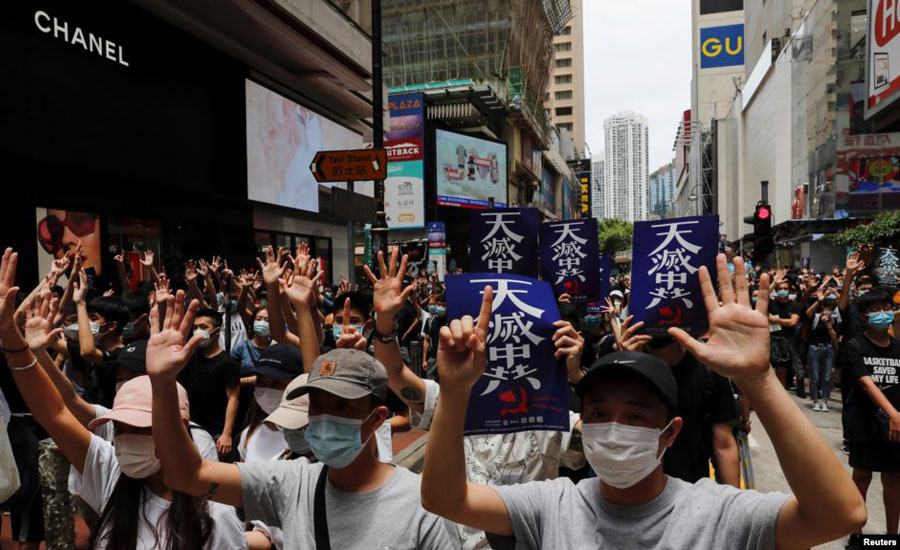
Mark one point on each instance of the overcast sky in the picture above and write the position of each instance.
(637, 58)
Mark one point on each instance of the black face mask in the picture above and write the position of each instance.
(661, 341)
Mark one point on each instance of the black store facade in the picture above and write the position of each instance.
(130, 133)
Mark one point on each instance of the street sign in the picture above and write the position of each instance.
(353, 165)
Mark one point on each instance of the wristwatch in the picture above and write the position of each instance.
(382, 338)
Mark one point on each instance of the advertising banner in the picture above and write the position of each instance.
(523, 387)
(59, 232)
(570, 258)
(469, 170)
(883, 55)
(404, 188)
(665, 287)
(437, 251)
(548, 190)
(504, 241)
(721, 46)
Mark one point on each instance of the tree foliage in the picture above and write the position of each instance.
(883, 229)
(614, 234)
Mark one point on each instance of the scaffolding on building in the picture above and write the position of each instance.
(506, 44)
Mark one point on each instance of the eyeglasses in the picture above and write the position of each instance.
(51, 228)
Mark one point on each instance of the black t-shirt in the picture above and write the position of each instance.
(704, 399)
(861, 357)
(818, 332)
(206, 381)
(101, 379)
(785, 310)
(853, 325)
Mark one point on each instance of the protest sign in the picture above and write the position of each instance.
(570, 258)
(606, 266)
(665, 287)
(504, 241)
(886, 267)
(523, 387)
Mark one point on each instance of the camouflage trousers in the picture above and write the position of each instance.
(59, 504)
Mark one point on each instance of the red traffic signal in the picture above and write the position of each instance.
(764, 212)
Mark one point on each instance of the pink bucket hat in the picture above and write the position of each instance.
(133, 404)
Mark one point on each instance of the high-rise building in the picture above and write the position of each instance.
(565, 99)
(625, 177)
(662, 191)
(598, 206)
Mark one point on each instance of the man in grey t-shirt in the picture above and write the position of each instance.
(628, 403)
(368, 504)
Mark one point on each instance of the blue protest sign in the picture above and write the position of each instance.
(570, 258)
(606, 267)
(523, 387)
(504, 241)
(665, 287)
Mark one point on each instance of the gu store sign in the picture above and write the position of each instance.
(522, 387)
(504, 241)
(665, 286)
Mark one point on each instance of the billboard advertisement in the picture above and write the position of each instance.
(721, 46)
(60, 231)
(282, 139)
(404, 188)
(548, 190)
(469, 170)
(883, 51)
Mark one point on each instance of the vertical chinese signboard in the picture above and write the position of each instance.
(437, 251)
(504, 241)
(404, 188)
(522, 387)
(665, 286)
(570, 258)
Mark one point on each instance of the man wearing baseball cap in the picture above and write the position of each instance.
(347, 500)
(628, 403)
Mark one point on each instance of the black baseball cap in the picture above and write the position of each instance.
(132, 357)
(278, 361)
(640, 367)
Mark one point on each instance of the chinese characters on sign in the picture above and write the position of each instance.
(522, 387)
(504, 241)
(570, 258)
(887, 267)
(665, 285)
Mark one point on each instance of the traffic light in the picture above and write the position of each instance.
(761, 220)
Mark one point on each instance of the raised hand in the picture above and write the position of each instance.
(108, 293)
(343, 286)
(203, 269)
(39, 331)
(273, 269)
(388, 294)
(350, 338)
(161, 289)
(147, 258)
(215, 264)
(627, 338)
(8, 290)
(461, 350)
(302, 290)
(81, 287)
(190, 271)
(169, 348)
(738, 345)
(569, 344)
(854, 264)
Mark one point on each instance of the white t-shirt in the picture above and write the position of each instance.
(505, 459)
(265, 444)
(101, 473)
(238, 330)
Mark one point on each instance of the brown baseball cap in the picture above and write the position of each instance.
(346, 373)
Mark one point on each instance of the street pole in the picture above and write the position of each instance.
(380, 228)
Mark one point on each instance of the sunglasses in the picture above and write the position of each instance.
(51, 229)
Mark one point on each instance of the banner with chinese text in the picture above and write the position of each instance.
(523, 387)
(886, 267)
(570, 258)
(504, 241)
(665, 286)
(606, 266)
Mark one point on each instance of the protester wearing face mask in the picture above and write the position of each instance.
(822, 338)
(122, 483)
(359, 497)
(628, 402)
(212, 380)
(276, 367)
(872, 361)
(138, 326)
(784, 317)
(247, 352)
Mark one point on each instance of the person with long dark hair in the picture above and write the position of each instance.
(123, 483)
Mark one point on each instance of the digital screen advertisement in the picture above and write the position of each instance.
(469, 170)
(404, 188)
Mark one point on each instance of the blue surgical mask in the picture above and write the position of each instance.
(261, 328)
(881, 320)
(783, 294)
(336, 440)
(337, 330)
(296, 441)
(861, 292)
(220, 298)
(831, 297)
(753, 300)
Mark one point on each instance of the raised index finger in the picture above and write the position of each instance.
(346, 322)
(726, 291)
(741, 287)
(484, 316)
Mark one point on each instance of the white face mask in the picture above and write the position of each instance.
(622, 455)
(268, 399)
(136, 455)
(207, 339)
(71, 332)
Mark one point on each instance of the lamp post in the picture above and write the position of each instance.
(380, 228)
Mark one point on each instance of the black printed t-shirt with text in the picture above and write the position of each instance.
(861, 357)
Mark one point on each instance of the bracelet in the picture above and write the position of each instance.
(26, 367)
(15, 350)
(382, 338)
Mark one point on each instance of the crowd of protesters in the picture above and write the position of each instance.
(255, 409)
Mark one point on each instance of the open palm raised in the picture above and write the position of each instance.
(738, 345)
